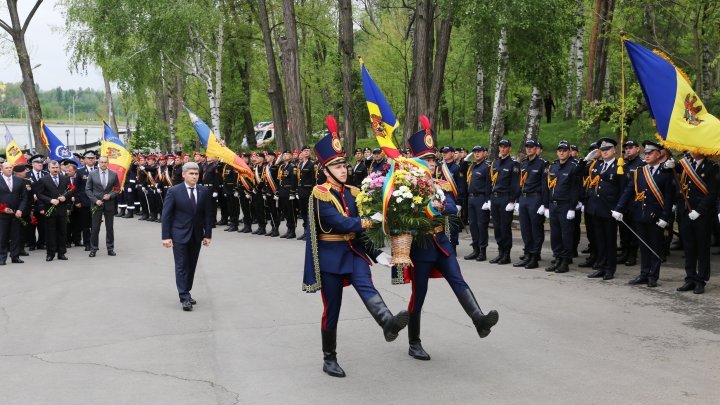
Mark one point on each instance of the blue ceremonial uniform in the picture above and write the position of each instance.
(505, 175)
(561, 195)
(532, 228)
(479, 187)
(646, 208)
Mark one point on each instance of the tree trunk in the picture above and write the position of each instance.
(597, 74)
(532, 126)
(579, 64)
(497, 125)
(706, 76)
(248, 124)
(218, 79)
(347, 51)
(109, 104)
(442, 46)
(570, 82)
(275, 92)
(594, 34)
(479, 94)
(16, 29)
(291, 71)
(419, 91)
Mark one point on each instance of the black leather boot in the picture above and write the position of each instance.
(631, 258)
(247, 228)
(533, 262)
(233, 227)
(501, 254)
(121, 213)
(391, 324)
(330, 364)
(416, 350)
(563, 267)
(260, 230)
(274, 232)
(481, 256)
(588, 262)
(524, 260)
(482, 322)
(291, 234)
(129, 214)
(222, 222)
(623, 256)
(302, 235)
(473, 255)
(553, 265)
(506, 257)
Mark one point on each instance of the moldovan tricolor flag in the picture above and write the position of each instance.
(681, 119)
(13, 152)
(119, 158)
(216, 149)
(382, 119)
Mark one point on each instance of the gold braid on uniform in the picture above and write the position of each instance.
(314, 249)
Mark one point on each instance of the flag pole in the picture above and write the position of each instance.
(621, 161)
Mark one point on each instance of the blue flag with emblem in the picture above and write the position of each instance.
(56, 148)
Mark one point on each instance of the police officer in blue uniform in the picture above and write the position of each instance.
(335, 255)
(587, 166)
(696, 212)
(453, 170)
(478, 178)
(505, 178)
(628, 241)
(532, 219)
(606, 186)
(648, 198)
(560, 197)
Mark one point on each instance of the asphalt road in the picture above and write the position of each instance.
(110, 330)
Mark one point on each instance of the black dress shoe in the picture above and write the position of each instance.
(688, 286)
(699, 289)
(18, 260)
(596, 274)
(638, 280)
(652, 283)
(187, 306)
(608, 276)
(192, 301)
(49, 258)
(62, 257)
(93, 253)
(24, 253)
(112, 253)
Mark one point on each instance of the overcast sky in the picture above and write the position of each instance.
(46, 44)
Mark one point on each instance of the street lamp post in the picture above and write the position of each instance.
(86, 131)
(67, 138)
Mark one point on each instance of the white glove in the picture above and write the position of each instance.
(570, 215)
(547, 213)
(292, 197)
(694, 215)
(486, 206)
(235, 194)
(383, 259)
(215, 195)
(459, 208)
(618, 216)
(142, 167)
(579, 206)
(669, 164)
(516, 211)
(541, 210)
(276, 198)
(129, 190)
(592, 155)
(582, 209)
(674, 208)
(718, 217)
(510, 207)
(377, 217)
(662, 224)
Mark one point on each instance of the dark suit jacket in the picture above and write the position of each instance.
(17, 198)
(94, 190)
(180, 221)
(81, 178)
(46, 191)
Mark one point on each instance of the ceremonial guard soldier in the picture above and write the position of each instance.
(479, 186)
(271, 193)
(211, 180)
(359, 170)
(505, 178)
(258, 201)
(436, 258)
(244, 194)
(648, 198)
(130, 191)
(587, 166)
(143, 183)
(230, 192)
(696, 211)
(177, 169)
(164, 177)
(334, 255)
(560, 198)
(36, 173)
(532, 219)
(628, 241)
(306, 181)
(378, 162)
(605, 188)
(288, 190)
(153, 190)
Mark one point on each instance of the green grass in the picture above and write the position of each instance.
(550, 135)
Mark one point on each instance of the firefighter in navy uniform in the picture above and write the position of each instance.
(560, 197)
(587, 165)
(478, 207)
(142, 188)
(628, 241)
(606, 187)
(335, 255)
(696, 211)
(271, 193)
(378, 161)
(505, 178)
(306, 182)
(258, 201)
(453, 171)
(359, 170)
(229, 181)
(531, 211)
(153, 191)
(288, 190)
(130, 190)
(165, 177)
(436, 258)
(211, 180)
(648, 197)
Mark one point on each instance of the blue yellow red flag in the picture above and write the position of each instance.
(216, 149)
(681, 119)
(56, 148)
(119, 158)
(13, 153)
(382, 119)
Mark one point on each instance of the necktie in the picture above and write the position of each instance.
(8, 180)
(55, 180)
(192, 197)
(694, 164)
(652, 171)
(103, 180)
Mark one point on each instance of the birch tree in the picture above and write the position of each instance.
(479, 94)
(569, 93)
(497, 124)
(532, 125)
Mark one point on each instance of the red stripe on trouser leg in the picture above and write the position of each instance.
(411, 305)
(323, 322)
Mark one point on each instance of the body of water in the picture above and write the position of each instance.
(76, 135)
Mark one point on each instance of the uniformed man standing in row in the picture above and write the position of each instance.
(628, 241)
(244, 194)
(532, 222)
(359, 170)
(306, 182)
(287, 192)
(378, 161)
(478, 207)
(258, 200)
(505, 177)
(560, 197)
(229, 179)
(271, 193)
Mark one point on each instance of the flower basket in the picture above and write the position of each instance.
(400, 247)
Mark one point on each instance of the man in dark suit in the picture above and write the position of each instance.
(13, 199)
(37, 171)
(187, 221)
(55, 192)
(102, 188)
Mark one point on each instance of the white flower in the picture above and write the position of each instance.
(396, 193)
(399, 200)
(403, 188)
(407, 195)
(412, 205)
